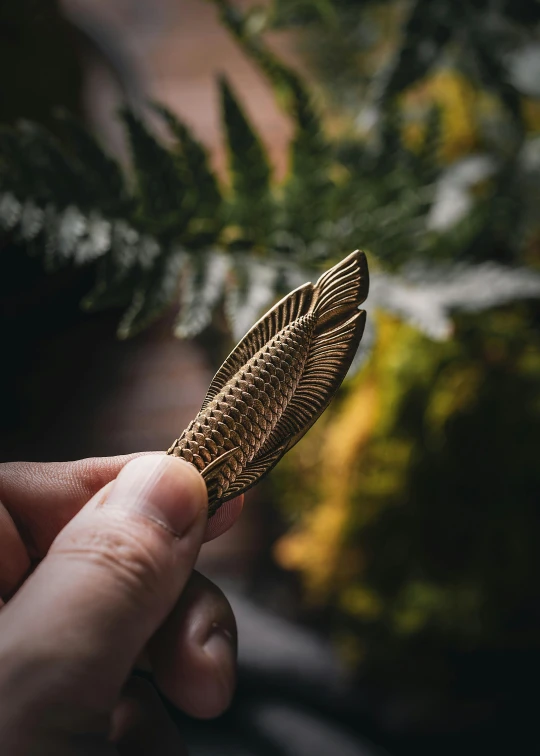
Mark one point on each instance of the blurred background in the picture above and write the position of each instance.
(385, 576)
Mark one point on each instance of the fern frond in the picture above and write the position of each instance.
(203, 285)
(54, 166)
(427, 163)
(10, 211)
(161, 187)
(425, 33)
(251, 291)
(204, 196)
(288, 85)
(300, 12)
(16, 173)
(130, 254)
(33, 164)
(251, 206)
(156, 291)
(30, 221)
(426, 297)
(103, 176)
(493, 73)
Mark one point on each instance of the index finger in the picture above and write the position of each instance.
(41, 498)
(38, 499)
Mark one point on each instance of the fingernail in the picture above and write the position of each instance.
(219, 630)
(221, 647)
(164, 489)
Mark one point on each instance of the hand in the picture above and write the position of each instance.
(106, 581)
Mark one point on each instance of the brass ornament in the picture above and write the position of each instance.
(277, 382)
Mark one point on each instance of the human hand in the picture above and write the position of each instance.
(115, 581)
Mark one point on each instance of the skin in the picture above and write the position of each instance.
(96, 574)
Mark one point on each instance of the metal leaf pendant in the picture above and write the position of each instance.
(277, 382)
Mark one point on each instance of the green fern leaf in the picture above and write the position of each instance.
(31, 221)
(157, 290)
(160, 183)
(427, 163)
(202, 287)
(112, 290)
(251, 291)
(494, 75)
(425, 33)
(309, 189)
(301, 12)
(15, 173)
(238, 25)
(103, 176)
(58, 174)
(120, 273)
(288, 86)
(247, 155)
(28, 166)
(252, 206)
(203, 193)
(10, 211)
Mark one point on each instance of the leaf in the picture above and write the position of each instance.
(426, 31)
(96, 241)
(111, 289)
(426, 164)
(71, 227)
(15, 172)
(102, 175)
(301, 12)
(287, 84)
(252, 203)
(157, 291)
(247, 156)
(31, 221)
(453, 192)
(10, 211)
(202, 286)
(59, 177)
(32, 166)
(366, 347)
(251, 292)
(495, 76)
(308, 189)
(426, 297)
(160, 183)
(120, 273)
(203, 191)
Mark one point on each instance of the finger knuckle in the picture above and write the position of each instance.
(121, 553)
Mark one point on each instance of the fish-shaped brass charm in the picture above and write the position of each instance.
(277, 382)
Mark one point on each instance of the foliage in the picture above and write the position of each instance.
(173, 227)
(412, 503)
(425, 502)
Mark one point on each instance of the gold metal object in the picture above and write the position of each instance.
(277, 382)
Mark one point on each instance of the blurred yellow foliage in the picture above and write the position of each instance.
(458, 388)
(420, 601)
(315, 547)
(460, 104)
(370, 539)
(531, 112)
(318, 546)
(463, 107)
(357, 466)
(360, 601)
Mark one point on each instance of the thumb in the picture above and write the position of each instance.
(110, 578)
